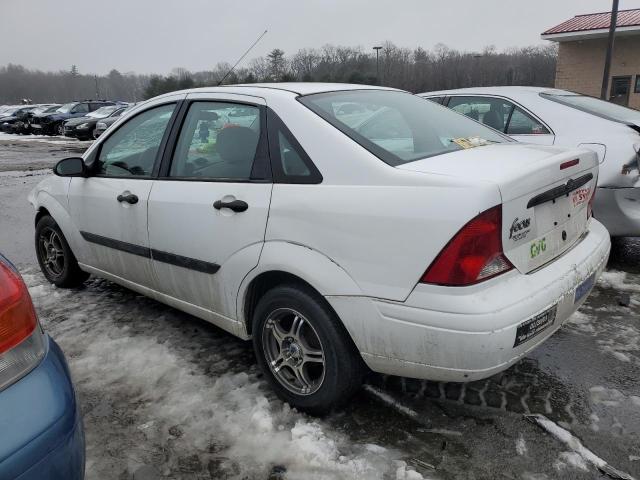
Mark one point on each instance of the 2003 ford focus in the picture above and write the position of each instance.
(394, 234)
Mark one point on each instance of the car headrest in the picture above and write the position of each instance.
(493, 119)
(237, 144)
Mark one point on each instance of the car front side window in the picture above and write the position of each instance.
(81, 108)
(132, 149)
(493, 112)
(218, 140)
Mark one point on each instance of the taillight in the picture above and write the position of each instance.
(21, 340)
(473, 255)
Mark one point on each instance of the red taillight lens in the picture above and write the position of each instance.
(474, 254)
(17, 316)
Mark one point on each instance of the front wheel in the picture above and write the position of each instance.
(56, 260)
(304, 351)
(59, 129)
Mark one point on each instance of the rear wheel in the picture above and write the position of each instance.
(59, 129)
(304, 351)
(56, 260)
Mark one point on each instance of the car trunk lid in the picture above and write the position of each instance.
(545, 193)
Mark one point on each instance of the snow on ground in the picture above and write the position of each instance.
(224, 420)
(580, 455)
(615, 331)
(56, 139)
(570, 459)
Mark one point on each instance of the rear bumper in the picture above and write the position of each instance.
(42, 436)
(465, 334)
(619, 210)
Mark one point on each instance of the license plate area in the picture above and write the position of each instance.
(584, 288)
(535, 325)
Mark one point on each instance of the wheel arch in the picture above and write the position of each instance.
(47, 204)
(287, 263)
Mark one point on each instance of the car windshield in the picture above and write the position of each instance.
(52, 108)
(102, 112)
(66, 108)
(399, 127)
(595, 106)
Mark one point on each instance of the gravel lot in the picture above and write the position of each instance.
(166, 395)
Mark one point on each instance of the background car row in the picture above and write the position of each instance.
(74, 119)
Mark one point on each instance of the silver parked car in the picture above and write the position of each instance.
(558, 117)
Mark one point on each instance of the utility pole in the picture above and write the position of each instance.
(607, 61)
(377, 49)
(95, 77)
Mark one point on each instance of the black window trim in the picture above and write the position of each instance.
(636, 85)
(261, 159)
(91, 162)
(275, 125)
(515, 103)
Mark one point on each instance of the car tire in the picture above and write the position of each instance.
(59, 129)
(312, 364)
(56, 260)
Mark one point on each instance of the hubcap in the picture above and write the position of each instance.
(51, 252)
(293, 351)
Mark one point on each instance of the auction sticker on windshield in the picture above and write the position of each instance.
(532, 327)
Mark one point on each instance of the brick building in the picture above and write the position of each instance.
(582, 43)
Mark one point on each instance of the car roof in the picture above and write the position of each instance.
(299, 88)
(505, 90)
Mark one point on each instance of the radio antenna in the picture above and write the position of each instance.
(243, 55)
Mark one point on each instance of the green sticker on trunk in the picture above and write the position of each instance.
(538, 247)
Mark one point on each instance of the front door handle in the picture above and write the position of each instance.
(129, 198)
(235, 205)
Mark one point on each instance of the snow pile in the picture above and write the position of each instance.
(122, 353)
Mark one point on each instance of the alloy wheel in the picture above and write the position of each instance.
(51, 252)
(293, 351)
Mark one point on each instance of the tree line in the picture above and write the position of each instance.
(416, 70)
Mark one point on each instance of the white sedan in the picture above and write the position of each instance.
(417, 243)
(557, 117)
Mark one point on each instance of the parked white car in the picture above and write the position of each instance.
(419, 243)
(557, 117)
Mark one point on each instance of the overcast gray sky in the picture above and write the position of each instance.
(156, 35)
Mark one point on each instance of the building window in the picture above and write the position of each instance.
(637, 89)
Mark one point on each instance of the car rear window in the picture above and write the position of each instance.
(399, 127)
(595, 106)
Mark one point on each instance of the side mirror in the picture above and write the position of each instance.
(70, 167)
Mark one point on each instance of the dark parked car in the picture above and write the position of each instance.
(11, 116)
(105, 123)
(82, 127)
(53, 123)
(41, 434)
(22, 125)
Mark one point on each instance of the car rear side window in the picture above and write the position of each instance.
(218, 141)
(399, 127)
(289, 161)
(132, 149)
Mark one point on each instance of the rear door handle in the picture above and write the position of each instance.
(235, 205)
(129, 198)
